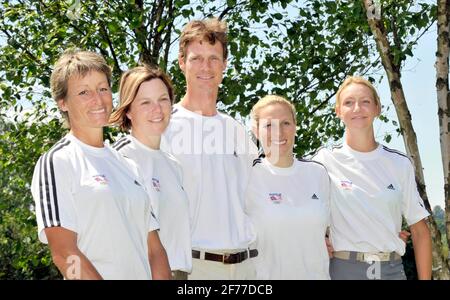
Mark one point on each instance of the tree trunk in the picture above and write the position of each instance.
(141, 33)
(167, 38)
(157, 31)
(443, 97)
(440, 269)
(149, 33)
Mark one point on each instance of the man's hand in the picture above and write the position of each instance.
(329, 247)
(404, 235)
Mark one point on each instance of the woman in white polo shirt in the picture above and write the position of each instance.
(287, 199)
(91, 207)
(372, 188)
(146, 97)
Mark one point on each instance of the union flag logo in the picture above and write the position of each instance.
(346, 184)
(156, 184)
(275, 197)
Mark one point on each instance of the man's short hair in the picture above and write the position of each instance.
(211, 30)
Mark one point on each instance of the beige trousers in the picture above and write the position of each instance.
(212, 270)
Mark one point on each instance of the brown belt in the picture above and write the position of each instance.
(227, 258)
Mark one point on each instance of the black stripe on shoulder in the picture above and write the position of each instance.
(48, 159)
(395, 151)
(317, 151)
(57, 144)
(312, 161)
(261, 153)
(123, 144)
(119, 141)
(43, 183)
(174, 110)
(41, 191)
(338, 146)
(257, 161)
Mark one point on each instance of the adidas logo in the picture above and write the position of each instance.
(314, 197)
(391, 187)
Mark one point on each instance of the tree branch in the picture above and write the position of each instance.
(141, 36)
(111, 47)
(228, 9)
(22, 47)
(167, 43)
(157, 41)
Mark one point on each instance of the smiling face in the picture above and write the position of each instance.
(357, 107)
(88, 101)
(276, 130)
(151, 108)
(203, 65)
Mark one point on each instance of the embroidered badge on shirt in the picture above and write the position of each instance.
(156, 184)
(101, 179)
(346, 184)
(275, 197)
(391, 187)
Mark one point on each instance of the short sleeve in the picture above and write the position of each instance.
(326, 182)
(153, 223)
(412, 204)
(52, 194)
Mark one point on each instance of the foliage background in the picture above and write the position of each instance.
(299, 49)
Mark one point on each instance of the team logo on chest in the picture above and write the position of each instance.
(346, 184)
(100, 179)
(275, 197)
(156, 184)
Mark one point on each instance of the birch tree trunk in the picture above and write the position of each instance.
(443, 97)
(373, 12)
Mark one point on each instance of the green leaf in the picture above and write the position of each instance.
(388, 138)
(278, 16)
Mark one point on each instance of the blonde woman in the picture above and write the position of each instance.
(287, 199)
(372, 188)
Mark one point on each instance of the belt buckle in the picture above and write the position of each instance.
(225, 257)
(370, 257)
(385, 256)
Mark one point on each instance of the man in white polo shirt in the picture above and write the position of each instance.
(216, 154)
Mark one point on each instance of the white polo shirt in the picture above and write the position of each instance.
(162, 177)
(370, 193)
(95, 193)
(216, 155)
(289, 208)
